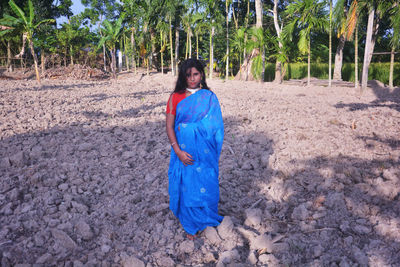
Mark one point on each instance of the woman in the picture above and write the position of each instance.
(195, 130)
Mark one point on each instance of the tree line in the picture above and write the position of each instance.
(234, 38)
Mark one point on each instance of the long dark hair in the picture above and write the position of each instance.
(181, 85)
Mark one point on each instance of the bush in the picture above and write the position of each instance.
(377, 71)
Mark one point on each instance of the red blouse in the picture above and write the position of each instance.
(173, 101)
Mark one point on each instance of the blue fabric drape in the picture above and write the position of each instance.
(194, 189)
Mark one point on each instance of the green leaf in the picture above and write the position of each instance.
(18, 11)
(31, 12)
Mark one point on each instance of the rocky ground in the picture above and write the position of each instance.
(309, 176)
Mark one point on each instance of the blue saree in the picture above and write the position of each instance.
(194, 189)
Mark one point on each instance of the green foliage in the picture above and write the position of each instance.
(307, 16)
(258, 41)
(111, 33)
(377, 71)
(395, 23)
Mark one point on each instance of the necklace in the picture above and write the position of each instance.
(192, 91)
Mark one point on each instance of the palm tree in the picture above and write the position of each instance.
(347, 28)
(308, 16)
(344, 21)
(215, 18)
(29, 27)
(111, 34)
(278, 29)
(376, 10)
(247, 68)
(199, 29)
(171, 8)
(163, 28)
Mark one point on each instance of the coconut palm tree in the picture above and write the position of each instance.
(163, 28)
(111, 33)
(199, 28)
(376, 10)
(29, 27)
(278, 29)
(308, 16)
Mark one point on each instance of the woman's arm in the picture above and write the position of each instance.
(185, 157)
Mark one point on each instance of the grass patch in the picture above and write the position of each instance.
(377, 71)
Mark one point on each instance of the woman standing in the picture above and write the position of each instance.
(195, 130)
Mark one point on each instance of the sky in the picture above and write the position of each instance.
(76, 8)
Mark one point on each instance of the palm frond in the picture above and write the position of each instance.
(351, 21)
(395, 24)
(303, 41)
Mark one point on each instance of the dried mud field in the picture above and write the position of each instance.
(309, 176)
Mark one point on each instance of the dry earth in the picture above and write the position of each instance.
(309, 176)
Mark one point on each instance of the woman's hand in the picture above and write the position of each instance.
(185, 157)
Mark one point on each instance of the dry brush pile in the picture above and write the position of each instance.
(308, 176)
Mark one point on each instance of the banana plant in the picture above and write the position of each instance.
(111, 33)
(308, 16)
(29, 26)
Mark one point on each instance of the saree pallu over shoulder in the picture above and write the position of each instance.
(194, 189)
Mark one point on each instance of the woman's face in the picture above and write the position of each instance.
(193, 78)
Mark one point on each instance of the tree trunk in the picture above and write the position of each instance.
(65, 57)
(369, 48)
(337, 72)
(309, 63)
(113, 63)
(126, 52)
(162, 53)
(9, 63)
(119, 60)
(330, 44)
(71, 54)
(186, 48)
(356, 58)
(259, 12)
(391, 69)
(176, 48)
(246, 24)
(197, 45)
(171, 49)
(43, 60)
(34, 60)
(211, 52)
(133, 49)
(227, 40)
(104, 58)
(153, 60)
(245, 69)
(190, 44)
(278, 65)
